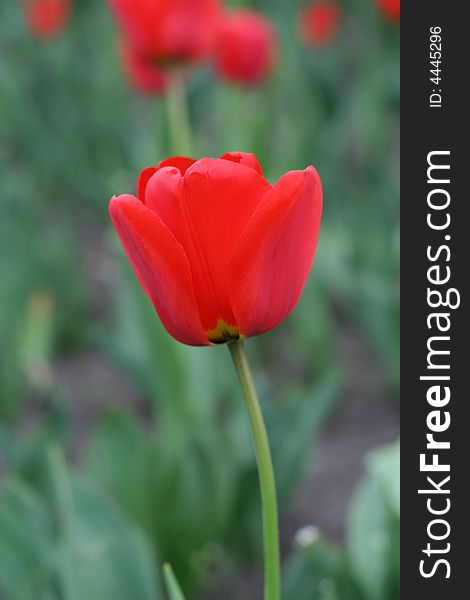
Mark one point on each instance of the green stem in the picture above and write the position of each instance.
(272, 575)
(64, 509)
(178, 115)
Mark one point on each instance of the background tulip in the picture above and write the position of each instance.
(169, 31)
(390, 8)
(221, 253)
(318, 22)
(47, 18)
(247, 47)
(143, 74)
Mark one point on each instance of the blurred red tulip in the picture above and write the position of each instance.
(47, 18)
(143, 74)
(221, 253)
(169, 31)
(390, 8)
(318, 22)
(247, 47)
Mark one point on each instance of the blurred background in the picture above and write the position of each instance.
(120, 448)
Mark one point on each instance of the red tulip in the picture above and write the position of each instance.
(144, 74)
(247, 47)
(221, 253)
(390, 8)
(47, 18)
(319, 21)
(169, 31)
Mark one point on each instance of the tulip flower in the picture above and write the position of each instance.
(318, 22)
(247, 47)
(169, 31)
(47, 18)
(143, 74)
(390, 8)
(222, 254)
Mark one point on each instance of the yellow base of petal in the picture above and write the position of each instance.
(223, 333)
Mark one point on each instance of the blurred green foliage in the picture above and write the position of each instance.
(369, 567)
(68, 540)
(175, 479)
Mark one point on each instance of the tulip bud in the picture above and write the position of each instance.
(318, 22)
(47, 18)
(169, 31)
(247, 47)
(390, 8)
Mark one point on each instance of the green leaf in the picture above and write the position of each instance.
(26, 543)
(120, 457)
(110, 557)
(373, 527)
(304, 414)
(35, 338)
(318, 572)
(153, 476)
(78, 543)
(384, 465)
(172, 586)
(368, 540)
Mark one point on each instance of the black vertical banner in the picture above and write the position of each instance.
(435, 320)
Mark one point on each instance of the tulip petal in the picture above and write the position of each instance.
(220, 196)
(163, 195)
(271, 261)
(142, 181)
(180, 162)
(161, 266)
(244, 158)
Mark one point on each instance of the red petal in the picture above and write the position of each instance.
(247, 47)
(220, 196)
(169, 30)
(271, 262)
(180, 162)
(163, 195)
(143, 73)
(244, 158)
(142, 181)
(161, 266)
